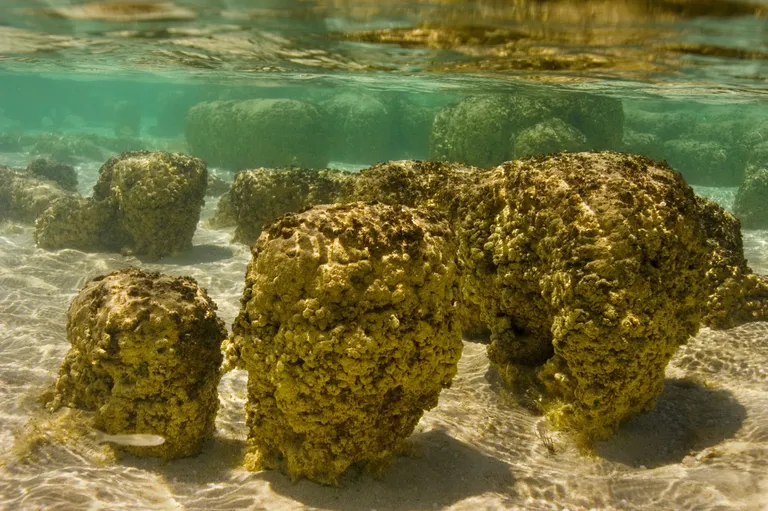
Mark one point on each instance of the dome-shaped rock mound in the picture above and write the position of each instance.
(145, 356)
(589, 270)
(348, 331)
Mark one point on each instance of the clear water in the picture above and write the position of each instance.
(125, 77)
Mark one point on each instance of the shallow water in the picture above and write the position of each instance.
(64, 66)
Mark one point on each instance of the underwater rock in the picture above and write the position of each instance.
(145, 357)
(646, 144)
(476, 131)
(158, 197)
(751, 204)
(82, 224)
(415, 183)
(736, 294)
(360, 126)
(589, 271)
(23, 197)
(10, 142)
(550, 136)
(481, 130)
(349, 331)
(65, 148)
(216, 186)
(62, 174)
(144, 202)
(702, 163)
(127, 119)
(258, 133)
(260, 196)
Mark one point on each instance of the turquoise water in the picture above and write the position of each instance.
(686, 82)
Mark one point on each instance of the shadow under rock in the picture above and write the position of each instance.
(219, 456)
(445, 472)
(196, 255)
(688, 417)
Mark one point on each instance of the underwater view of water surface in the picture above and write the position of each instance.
(384, 255)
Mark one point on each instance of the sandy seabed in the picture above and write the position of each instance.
(704, 447)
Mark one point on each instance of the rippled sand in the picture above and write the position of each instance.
(705, 447)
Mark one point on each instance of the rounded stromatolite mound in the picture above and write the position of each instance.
(23, 197)
(414, 183)
(158, 196)
(348, 331)
(260, 196)
(751, 204)
(258, 133)
(145, 357)
(62, 174)
(589, 270)
(144, 202)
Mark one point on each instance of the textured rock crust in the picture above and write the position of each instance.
(549, 137)
(348, 330)
(260, 196)
(751, 205)
(23, 197)
(145, 357)
(589, 271)
(736, 295)
(60, 173)
(258, 133)
(481, 130)
(145, 202)
(360, 127)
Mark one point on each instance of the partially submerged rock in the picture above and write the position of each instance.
(145, 357)
(348, 331)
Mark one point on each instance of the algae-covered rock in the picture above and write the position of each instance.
(646, 144)
(360, 127)
(260, 196)
(144, 202)
(23, 197)
(60, 173)
(145, 357)
(589, 270)
(736, 294)
(258, 133)
(476, 131)
(481, 130)
(64, 148)
(216, 186)
(158, 197)
(702, 163)
(348, 331)
(751, 204)
(82, 224)
(414, 183)
(549, 136)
